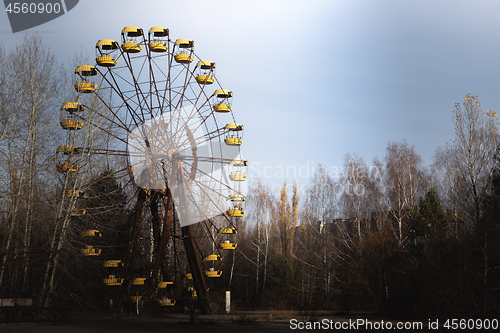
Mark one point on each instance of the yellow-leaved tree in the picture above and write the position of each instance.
(287, 220)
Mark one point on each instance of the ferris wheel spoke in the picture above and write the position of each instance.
(90, 121)
(170, 88)
(196, 111)
(104, 129)
(120, 124)
(187, 79)
(208, 231)
(128, 84)
(207, 159)
(139, 149)
(178, 120)
(162, 93)
(210, 114)
(211, 177)
(203, 139)
(153, 84)
(102, 151)
(204, 119)
(139, 94)
(208, 191)
(204, 211)
(118, 91)
(197, 95)
(210, 136)
(187, 128)
(224, 215)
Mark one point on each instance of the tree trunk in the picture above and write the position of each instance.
(15, 209)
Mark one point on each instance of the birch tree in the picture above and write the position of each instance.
(467, 167)
(357, 188)
(262, 207)
(28, 98)
(405, 183)
(465, 164)
(317, 252)
(91, 137)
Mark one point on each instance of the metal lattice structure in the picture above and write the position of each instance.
(169, 119)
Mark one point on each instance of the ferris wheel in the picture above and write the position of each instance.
(167, 116)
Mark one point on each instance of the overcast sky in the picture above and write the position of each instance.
(315, 79)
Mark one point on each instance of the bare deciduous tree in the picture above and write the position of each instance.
(405, 182)
(262, 208)
(28, 99)
(316, 243)
(357, 192)
(465, 164)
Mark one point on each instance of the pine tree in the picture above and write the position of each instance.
(105, 205)
(430, 221)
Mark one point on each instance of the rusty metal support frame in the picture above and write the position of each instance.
(178, 181)
(195, 266)
(160, 247)
(188, 240)
(136, 234)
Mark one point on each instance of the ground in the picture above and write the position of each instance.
(171, 323)
(244, 322)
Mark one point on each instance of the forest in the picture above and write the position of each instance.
(395, 237)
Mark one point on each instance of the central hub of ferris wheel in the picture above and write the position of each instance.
(170, 154)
